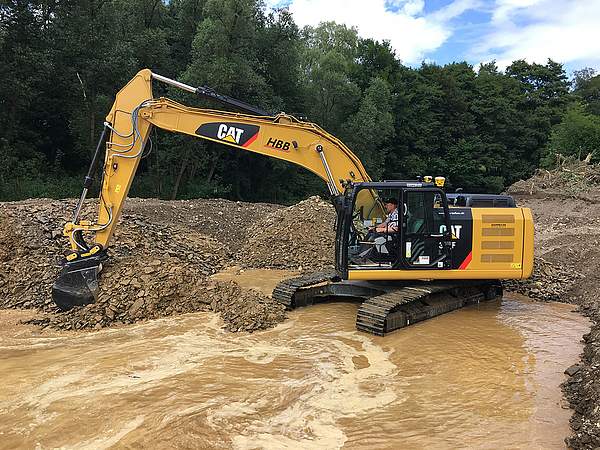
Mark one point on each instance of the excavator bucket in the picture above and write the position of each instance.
(77, 284)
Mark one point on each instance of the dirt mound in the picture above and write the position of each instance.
(244, 310)
(142, 255)
(224, 220)
(171, 294)
(30, 242)
(300, 237)
(155, 269)
(572, 177)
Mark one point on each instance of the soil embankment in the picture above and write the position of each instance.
(566, 209)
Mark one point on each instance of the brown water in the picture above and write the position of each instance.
(481, 377)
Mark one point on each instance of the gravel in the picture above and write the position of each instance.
(300, 237)
(164, 253)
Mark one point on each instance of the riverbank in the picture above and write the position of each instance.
(163, 258)
(566, 209)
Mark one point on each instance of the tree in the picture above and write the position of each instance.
(577, 135)
(370, 129)
(375, 60)
(183, 18)
(544, 98)
(62, 61)
(224, 56)
(328, 62)
(279, 48)
(587, 89)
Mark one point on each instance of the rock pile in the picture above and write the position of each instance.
(224, 220)
(30, 244)
(300, 237)
(173, 293)
(582, 389)
(549, 282)
(154, 270)
(244, 310)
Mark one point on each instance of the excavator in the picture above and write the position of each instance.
(443, 251)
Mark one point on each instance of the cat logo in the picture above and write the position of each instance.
(232, 133)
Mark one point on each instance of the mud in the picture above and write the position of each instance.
(167, 256)
(486, 376)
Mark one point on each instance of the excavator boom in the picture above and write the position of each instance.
(126, 133)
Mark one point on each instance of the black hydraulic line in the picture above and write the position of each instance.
(210, 93)
(89, 178)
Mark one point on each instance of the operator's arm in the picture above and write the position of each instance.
(389, 225)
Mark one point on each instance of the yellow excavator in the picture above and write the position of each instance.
(438, 253)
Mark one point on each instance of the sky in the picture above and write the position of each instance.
(475, 31)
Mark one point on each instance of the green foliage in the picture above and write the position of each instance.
(328, 61)
(587, 89)
(370, 129)
(577, 135)
(62, 61)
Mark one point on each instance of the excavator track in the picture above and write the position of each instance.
(399, 308)
(285, 291)
(386, 307)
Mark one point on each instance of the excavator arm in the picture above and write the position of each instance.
(127, 129)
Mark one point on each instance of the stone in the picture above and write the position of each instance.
(573, 370)
(136, 306)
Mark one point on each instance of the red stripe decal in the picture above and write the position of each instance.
(466, 262)
(251, 140)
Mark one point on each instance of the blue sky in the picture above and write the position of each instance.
(476, 31)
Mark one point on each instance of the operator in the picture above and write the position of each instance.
(384, 229)
(390, 224)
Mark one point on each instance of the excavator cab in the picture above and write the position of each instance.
(419, 239)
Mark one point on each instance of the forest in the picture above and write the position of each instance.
(62, 61)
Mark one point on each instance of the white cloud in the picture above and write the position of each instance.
(410, 7)
(566, 31)
(411, 33)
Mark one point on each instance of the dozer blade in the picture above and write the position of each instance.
(77, 284)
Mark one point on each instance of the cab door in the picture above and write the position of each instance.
(425, 236)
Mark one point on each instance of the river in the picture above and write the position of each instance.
(486, 376)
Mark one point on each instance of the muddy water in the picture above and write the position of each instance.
(263, 280)
(483, 377)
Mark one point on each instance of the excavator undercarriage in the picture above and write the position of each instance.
(386, 306)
